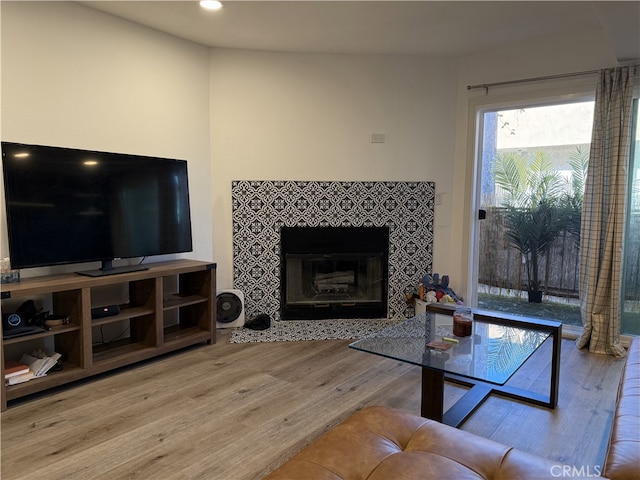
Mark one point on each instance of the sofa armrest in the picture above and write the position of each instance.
(623, 455)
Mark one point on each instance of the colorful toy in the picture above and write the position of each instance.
(437, 289)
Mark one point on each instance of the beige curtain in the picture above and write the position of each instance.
(603, 214)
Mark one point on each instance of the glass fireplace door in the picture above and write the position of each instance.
(347, 283)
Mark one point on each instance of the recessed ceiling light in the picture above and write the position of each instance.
(211, 4)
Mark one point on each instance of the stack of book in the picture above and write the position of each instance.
(16, 372)
(33, 365)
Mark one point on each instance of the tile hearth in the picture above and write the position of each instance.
(303, 330)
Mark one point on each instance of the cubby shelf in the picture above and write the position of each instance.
(177, 301)
(54, 331)
(125, 314)
(188, 304)
(51, 380)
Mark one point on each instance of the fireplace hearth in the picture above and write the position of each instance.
(334, 272)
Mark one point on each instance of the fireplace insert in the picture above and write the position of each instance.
(334, 272)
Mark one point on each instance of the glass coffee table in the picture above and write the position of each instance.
(498, 346)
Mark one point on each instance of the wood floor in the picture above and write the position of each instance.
(236, 411)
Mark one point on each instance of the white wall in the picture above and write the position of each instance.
(78, 78)
(286, 116)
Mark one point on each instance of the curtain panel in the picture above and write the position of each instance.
(603, 214)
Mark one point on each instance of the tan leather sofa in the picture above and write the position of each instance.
(379, 443)
(623, 454)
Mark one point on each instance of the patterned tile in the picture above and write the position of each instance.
(260, 208)
(298, 330)
(334, 329)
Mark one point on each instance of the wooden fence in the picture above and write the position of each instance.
(502, 266)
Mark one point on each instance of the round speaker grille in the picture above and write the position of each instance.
(229, 307)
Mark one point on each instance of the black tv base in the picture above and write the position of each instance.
(109, 269)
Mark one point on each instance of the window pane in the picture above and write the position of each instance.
(631, 267)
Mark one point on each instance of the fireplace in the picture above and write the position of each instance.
(260, 208)
(334, 272)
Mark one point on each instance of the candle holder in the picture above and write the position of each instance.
(462, 322)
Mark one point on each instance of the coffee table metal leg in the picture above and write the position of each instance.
(468, 404)
(432, 401)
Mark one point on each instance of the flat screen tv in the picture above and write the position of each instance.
(67, 206)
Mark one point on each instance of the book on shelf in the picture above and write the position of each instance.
(24, 377)
(40, 361)
(13, 368)
(36, 364)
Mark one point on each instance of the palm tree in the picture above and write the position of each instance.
(531, 193)
(572, 201)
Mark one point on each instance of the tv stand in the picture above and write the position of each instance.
(170, 306)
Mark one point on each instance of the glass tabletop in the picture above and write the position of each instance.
(493, 352)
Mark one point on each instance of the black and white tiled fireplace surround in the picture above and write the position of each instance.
(262, 208)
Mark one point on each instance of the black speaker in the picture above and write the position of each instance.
(21, 317)
(12, 320)
(108, 311)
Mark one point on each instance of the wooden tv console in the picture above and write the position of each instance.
(170, 306)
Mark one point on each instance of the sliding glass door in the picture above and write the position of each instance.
(532, 163)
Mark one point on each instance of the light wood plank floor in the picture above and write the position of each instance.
(236, 411)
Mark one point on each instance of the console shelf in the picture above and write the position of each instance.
(171, 306)
(50, 333)
(51, 380)
(177, 301)
(125, 314)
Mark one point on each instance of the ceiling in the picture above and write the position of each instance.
(438, 28)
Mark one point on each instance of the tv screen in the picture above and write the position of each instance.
(67, 205)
